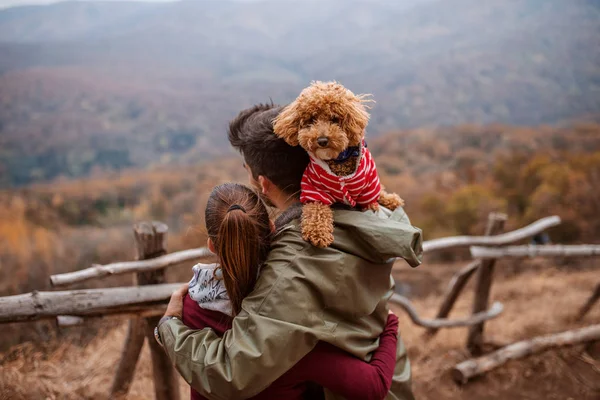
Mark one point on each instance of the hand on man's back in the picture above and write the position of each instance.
(175, 307)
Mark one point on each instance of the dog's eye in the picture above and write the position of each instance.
(335, 120)
(310, 121)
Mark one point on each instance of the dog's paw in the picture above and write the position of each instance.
(390, 201)
(318, 238)
(373, 207)
(317, 224)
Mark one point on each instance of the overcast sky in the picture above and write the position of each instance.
(12, 3)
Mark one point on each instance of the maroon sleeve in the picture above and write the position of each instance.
(349, 376)
(196, 317)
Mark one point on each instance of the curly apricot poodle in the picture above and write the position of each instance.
(329, 122)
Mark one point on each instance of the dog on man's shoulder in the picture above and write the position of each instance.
(329, 122)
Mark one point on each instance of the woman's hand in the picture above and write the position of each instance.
(175, 307)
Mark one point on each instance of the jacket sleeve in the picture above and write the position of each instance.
(268, 337)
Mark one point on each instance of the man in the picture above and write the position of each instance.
(304, 294)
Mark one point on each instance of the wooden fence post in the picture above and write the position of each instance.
(589, 303)
(129, 358)
(150, 240)
(460, 279)
(483, 286)
(458, 282)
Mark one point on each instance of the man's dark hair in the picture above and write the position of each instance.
(251, 133)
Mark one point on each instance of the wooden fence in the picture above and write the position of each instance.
(145, 302)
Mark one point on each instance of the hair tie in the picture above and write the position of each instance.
(236, 207)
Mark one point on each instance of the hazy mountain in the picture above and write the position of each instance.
(113, 84)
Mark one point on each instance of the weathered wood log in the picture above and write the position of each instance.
(84, 303)
(407, 306)
(483, 286)
(455, 287)
(497, 240)
(65, 321)
(101, 271)
(166, 378)
(589, 303)
(150, 241)
(132, 348)
(474, 367)
(582, 250)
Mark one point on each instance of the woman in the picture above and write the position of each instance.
(239, 233)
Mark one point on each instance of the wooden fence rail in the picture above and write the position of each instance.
(438, 323)
(582, 250)
(497, 240)
(72, 307)
(84, 303)
(473, 367)
(97, 271)
(100, 271)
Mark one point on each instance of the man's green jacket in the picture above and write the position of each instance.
(304, 294)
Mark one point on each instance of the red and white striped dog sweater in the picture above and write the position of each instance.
(361, 188)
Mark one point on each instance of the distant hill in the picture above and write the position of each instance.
(108, 85)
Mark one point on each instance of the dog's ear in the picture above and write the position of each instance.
(355, 116)
(287, 124)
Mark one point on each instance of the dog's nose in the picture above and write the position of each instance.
(323, 141)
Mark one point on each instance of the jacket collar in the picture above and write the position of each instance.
(293, 212)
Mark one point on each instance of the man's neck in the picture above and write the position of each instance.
(283, 201)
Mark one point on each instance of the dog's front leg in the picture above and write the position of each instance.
(391, 201)
(317, 224)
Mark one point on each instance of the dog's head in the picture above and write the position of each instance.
(325, 119)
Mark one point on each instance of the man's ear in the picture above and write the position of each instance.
(211, 246)
(272, 226)
(265, 184)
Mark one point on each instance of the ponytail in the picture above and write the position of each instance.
(237, 222)
(239, 250)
